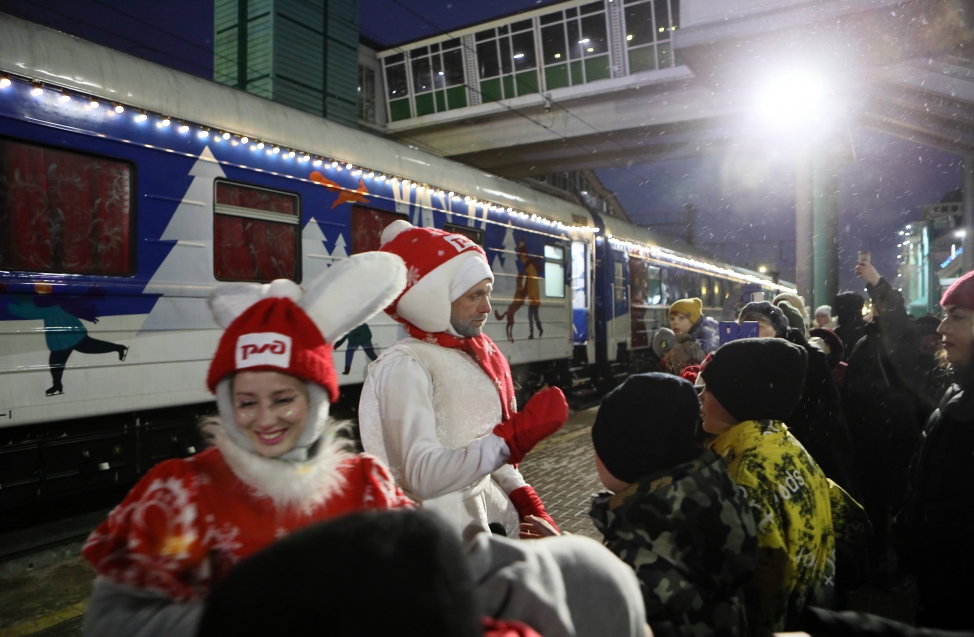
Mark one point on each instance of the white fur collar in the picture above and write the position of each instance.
(303, 485)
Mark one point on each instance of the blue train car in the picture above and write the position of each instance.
(129, 190)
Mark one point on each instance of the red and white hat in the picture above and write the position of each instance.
(440, 268)
(275, 334)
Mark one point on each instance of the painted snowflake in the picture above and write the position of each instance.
(412, 276)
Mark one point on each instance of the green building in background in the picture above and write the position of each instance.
(301, 53)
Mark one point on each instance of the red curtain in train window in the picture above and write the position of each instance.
(247, 249)
(367, 227)
(62, 211)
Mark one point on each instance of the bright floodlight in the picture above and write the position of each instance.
(794, 98)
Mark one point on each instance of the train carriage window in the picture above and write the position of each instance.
(64, 212)
(554, 272)
(255, 233)
(474, 234)
(367, 227)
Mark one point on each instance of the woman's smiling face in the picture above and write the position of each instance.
(271, 409)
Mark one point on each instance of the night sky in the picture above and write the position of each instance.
(741, 195)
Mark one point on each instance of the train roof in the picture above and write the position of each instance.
(45, 55)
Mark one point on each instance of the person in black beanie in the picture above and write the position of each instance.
(771, 320)
(751, 386)
(674, 513)
(366, 574)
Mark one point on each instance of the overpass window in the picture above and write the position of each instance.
(649, 27)
(64, 212)
(439, 82)
(255, 233)
(397, 87)
(554, 272)
(366, 93)
(575, 46)
(507, 61)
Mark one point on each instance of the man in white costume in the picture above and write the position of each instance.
(438, 406)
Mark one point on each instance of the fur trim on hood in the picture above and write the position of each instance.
(303, 484)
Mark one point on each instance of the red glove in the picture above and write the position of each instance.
(544, 414)
(507, 628)
(527, 502)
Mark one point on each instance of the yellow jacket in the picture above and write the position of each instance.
(799, 513)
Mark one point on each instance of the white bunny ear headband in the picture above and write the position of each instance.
(344, 297)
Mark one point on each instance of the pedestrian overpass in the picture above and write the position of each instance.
(583, 85)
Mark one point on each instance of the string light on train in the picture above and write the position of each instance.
(164, 121)
(662, 254)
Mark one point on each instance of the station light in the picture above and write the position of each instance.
(65, 97)
(260, 145)
(166, 121)
(277, 149)
(204, 132)
(225, 135)
(318, 162)
(93, 104)
(244, 140)
(290, 154)
(141, 117)
(349, 166)
(119, 109)
(37, 90)
(4, 81)
(183, 127)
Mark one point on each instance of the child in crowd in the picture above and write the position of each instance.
(751, 386)
(674, 514)
(687, 321)
(771, 320)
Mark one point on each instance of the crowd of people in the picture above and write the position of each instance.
(749, 486)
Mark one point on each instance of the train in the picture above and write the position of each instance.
(129, 190)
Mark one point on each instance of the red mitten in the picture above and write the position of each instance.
(527, 502)
(544, 414)
(507, 628)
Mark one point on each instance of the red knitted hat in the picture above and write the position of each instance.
(430, 251)
(960, 292)
(276, 335)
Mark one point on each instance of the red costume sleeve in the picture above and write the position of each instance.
(154, 539)
(381, 491)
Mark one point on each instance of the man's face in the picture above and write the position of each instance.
(716, 419)
(469, 313)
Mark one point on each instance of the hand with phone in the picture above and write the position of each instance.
(865, 269)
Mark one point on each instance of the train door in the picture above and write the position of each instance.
(617, 303)
(582, 319)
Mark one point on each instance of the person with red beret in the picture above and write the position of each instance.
(439, 405)
(276, 465)
(938, 519)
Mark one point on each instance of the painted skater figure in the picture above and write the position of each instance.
(531, 282)
(63, 329)
(361, 336)
(520, 293)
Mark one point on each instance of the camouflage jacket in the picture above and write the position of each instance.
(690, 536)
(800, 514)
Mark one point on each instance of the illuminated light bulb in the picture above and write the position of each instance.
(277, 149)
(412, 185)
(629, 37)
(37, 90)
(421, 189)
(4, 81)
(253, 147)
(334, 164)
(205, 132)
(318, 162)
(166, 121)
(64, 98)
(661, 29)
(217, 138)
(225, 135)
(183, 127)
(260, 145)
(590, 49)
(382, 177)
(451, 193)
(119, 109)
(510, 210)
(557, 55)
(349, 166)
(244, 139)
(466, 198)
(141, 117)
(290, 154)
(371, 174)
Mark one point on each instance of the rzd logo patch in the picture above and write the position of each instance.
(264, 348)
